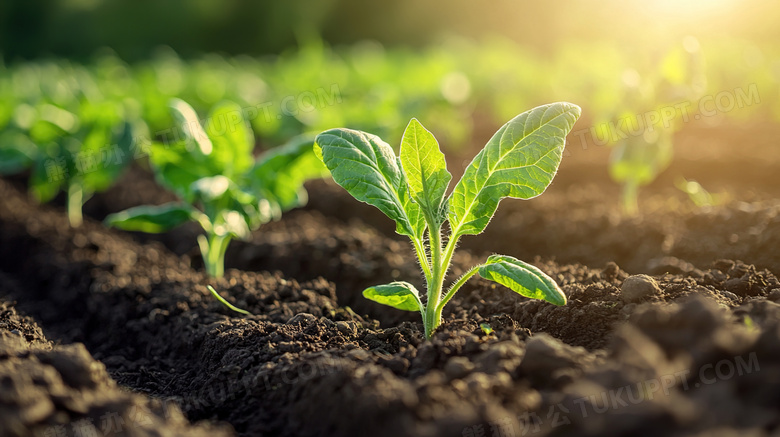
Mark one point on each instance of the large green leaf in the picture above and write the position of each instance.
(426, 170)
(231, 138)
(368, 169)
(399, 295)
(522, 278)
(519, 161)
(176, 168)
(152, 219)
(280, 173)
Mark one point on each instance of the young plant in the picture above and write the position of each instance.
(221, 185)
(78, 154)
(641, 154)
(519, 161)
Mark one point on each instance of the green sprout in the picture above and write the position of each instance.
(639, 157)
(698, 194)
(519, 161)
(222, 186)
(224, 302)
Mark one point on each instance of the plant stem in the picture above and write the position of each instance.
(438, 270)
(75, 202)
(423, 257)
(456, 286)
(214, 255)
(630, 201)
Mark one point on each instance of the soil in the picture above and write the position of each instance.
(691, 350)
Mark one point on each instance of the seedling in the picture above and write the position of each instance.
(640, 155)
(80, 154)
(698, 194)
(222, 186)
(519, 161)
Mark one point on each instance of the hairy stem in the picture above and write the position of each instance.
(423, 257)
(432, 320)
(456, 286)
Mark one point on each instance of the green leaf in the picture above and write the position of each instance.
(519, 161)
(426, 170)
(187, 120)
(522, 278)
(231, 138)
(111, 159)
(151, 219)
(369, 170)
(210, 188)
(641, 159)
(399, 295)
(279, 174)
(176, 168)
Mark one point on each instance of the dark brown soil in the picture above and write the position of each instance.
(696, 356)
(55, 390)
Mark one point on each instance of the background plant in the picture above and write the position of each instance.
(74, 140)
(519, 161)
(647, 149)
(221, 185)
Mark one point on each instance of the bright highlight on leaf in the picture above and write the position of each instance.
(519, 161)
(399, 295)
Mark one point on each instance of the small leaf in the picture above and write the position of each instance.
(151, 219)
(231, 138)
(426, 170)
(187, 121)
(399, 295)
(519, 161)
(369, 170)
(522, 278)
(279, 174)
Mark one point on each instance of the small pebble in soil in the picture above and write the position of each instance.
(302, 318)
(345, 328)
(638, 287)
